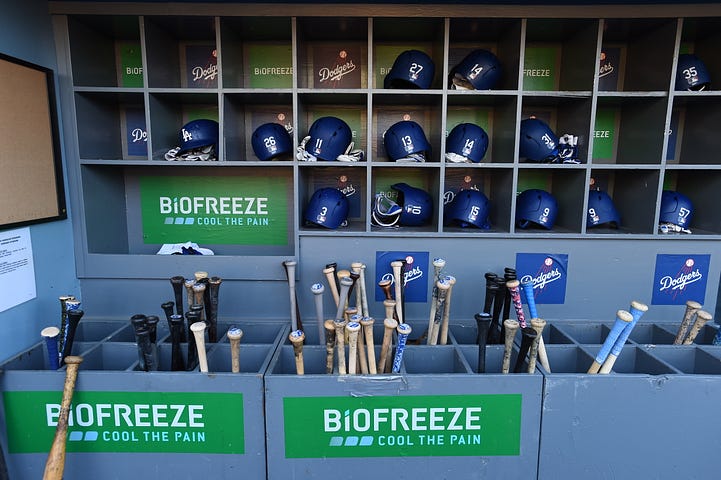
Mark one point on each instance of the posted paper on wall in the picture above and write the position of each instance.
(16, 267)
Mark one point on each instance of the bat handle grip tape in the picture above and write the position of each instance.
(403, 331)
(530, 299)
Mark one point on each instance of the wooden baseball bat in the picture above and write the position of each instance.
(397, 266)
(329, 326)
(190, 297)
(389, 325)
(329, 272)
(636, 311)
(235, 334)
(367, 323)
(290, 274)
(528, 336)
(364, 291)
(63, 324)
(702, 317)
(199, 298)
(438, 264)
(623, 318)
(74, 315)
(340, 344)
(403, 331)
(527, 288)
(692, 308)
(317, 290)
(360, 345)
(483, 323)
(537, 324)
(353, 328)
(443, 335)
(198, 329)
(296, 338)
(356, 270)
(511, 327)
(55, 464)
(443, 287)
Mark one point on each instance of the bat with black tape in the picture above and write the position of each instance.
(177, 331)
(235, 334)
(178, 283)
(63, 323)
(289, 266)
(404, 330)
(213, 290)
(497, 325)
(296, 338)
(511, 327)
(692, 308)
(74, 316)
(702, 318)
(483, 323)
(55, 463)
(528, 336)
(490, 291)
(198, 329)
(636, 310)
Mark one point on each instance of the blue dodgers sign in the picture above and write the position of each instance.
(547, 271)
(680, 278)
(414, 273)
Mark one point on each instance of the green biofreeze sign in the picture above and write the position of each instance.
(438, 425)
(168, 422)
(215, 210)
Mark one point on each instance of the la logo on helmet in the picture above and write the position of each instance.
(187, 135)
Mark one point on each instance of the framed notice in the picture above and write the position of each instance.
(31, 184)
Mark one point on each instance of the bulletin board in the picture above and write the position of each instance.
(31, 181)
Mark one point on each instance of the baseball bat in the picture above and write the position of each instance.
(389, 325)
(50, 335)
(509, 275)
(490, 291)
(289, 266)
(55, 464)
(207, 307)
(443, 287)
(364, 291)
(537, 324)
(528, 336)
(717, 338)
(636, 310)
(367, 324)
(512, 286)
(403, 331)
(317, 290)
(692, 308)
(397, 265)
(190, 297)
(178, 282)
(483, 323)
(527, 288)
(360, 344)
(169, 309)
(200, 275)
(702, 317)
(151, 321)
(191, 317)
(63, 324)
(146, 361)
(390, 308)
(199, 299)
(74, 316)
(438, 264)
(340, 344)
(443, 336)
(509, 334)
(235, 334)
(296, 338)
(499, 294)
(622, 319)
(329, 326)
(356, 271)
(214, 290)
(329, 272)
(198, 329)
(353, 328)
(177, 330)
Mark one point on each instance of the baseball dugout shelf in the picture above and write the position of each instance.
(125, 91)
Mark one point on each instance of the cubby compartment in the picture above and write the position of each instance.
(394, 35)
(635, 360)
(34, 358)
(425, 178)
(632, 48)
(564, 115)
(256, 52)
(584, 333)
(632, 193)
(420, 107)
(493, 358)
(243, 113)
(314, 360)
(630, 129)
(652, 334)
(332, 52)
(253, 333)
(566, 359)
(181, 51)
(500, 36)
(496, 184)
(350, 107)
(96, 331)
(349, 179)
(111, 125)
(565, 183)
(701, 36)
(559, 54)
(689, 360)
(691, 140)
(494, 113)
(111, 357)
(424, 359)
(253, 358)
(700, 186)
(169, 112)
(106, 51)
